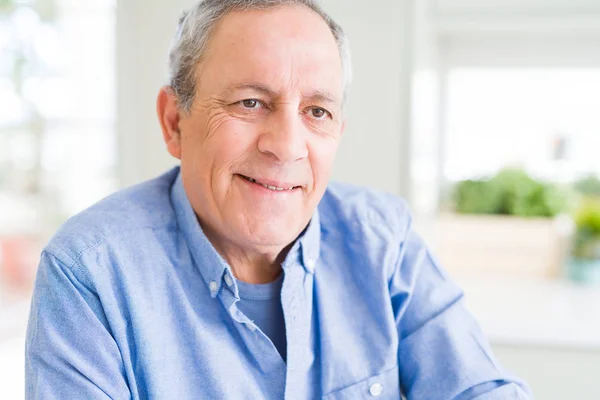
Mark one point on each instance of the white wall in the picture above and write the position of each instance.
(375, 148)
(143, 36)
(515, 7)
(517, 16)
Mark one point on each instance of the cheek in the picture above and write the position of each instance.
(230, 144)
(322, 156)
(214, 153)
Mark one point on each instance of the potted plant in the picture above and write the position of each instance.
(510, 192)
(504, 225)
(584, 262)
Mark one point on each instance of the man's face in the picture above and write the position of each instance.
(257, 148)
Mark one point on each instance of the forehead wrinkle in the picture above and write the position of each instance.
(250, 44)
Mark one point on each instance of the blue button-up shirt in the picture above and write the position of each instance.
(132, 301)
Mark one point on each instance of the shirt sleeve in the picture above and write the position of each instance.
(442, 353)
(70, 352)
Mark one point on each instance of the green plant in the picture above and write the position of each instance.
(477, 197)
(510, 192)
(587, 237)
(588, 186)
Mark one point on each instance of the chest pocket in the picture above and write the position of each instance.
(384, 386)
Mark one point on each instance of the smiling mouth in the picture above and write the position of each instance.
(270, 187)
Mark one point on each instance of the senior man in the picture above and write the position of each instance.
(241, 274)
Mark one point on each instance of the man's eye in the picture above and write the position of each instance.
(318, 112)
(250, 103)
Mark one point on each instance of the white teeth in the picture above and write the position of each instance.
(272, 187)
(269, 186)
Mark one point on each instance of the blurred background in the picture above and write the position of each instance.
(483, 114)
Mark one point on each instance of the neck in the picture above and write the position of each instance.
(255, 270)
(255, 267)
(250, 265)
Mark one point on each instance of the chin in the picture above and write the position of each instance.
(273, 234)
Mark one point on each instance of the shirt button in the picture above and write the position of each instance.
(213, 287)
(310, 264)
(376, 389)
(228, 280)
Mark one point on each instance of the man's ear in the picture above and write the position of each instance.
(168, 116)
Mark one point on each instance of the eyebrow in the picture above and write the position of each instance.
(317, 95)
(253, 86)
(325, 97)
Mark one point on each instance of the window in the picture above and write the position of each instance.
(545, 120)
(57, 141)
(527, 102)
(57, 123)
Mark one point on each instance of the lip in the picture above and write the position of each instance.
(272, 182)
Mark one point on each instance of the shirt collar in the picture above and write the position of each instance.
(310, 242)
(210, 263)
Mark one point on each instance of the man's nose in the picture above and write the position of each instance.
(284, 136)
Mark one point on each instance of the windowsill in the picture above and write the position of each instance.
(535, 312)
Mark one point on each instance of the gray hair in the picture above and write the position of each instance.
(195, 28)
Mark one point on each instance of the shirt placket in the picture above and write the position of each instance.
(296, 299)
(265, 354)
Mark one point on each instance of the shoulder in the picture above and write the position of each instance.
(143, 206)
(358, 211)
